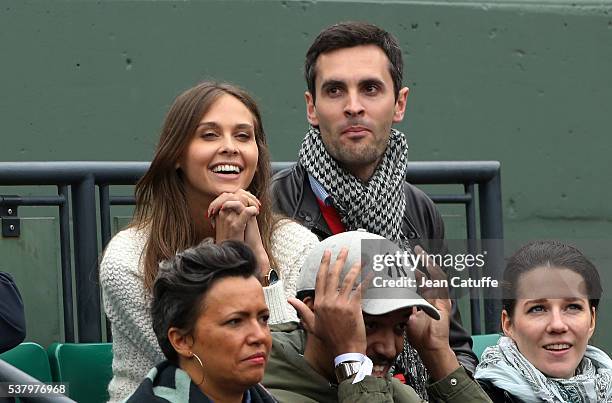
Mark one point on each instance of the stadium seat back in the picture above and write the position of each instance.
(31, 358)
(482, 341)
(86, 367)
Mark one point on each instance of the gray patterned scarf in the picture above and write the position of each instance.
(377, 206)
(505, 367)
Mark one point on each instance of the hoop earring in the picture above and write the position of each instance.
(201, 365)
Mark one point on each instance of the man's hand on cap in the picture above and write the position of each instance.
(336, 318)
(428, 336)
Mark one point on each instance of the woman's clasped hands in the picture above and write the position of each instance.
(233, 215)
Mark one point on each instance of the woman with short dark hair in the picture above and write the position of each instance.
(551, 292)
(211, 320)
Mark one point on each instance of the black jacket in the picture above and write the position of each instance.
(12, 320)
(496, 394)
(169, 383)
(293, 197)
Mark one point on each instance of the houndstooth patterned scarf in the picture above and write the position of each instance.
(377, 206)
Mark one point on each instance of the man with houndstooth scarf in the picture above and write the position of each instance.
(352, 163)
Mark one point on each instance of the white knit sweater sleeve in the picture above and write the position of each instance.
(135, 347)
(291, 243)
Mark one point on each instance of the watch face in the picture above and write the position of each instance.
(272, 277)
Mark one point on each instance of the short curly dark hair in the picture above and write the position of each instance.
(183, 281)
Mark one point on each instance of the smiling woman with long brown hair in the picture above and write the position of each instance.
(208, 178)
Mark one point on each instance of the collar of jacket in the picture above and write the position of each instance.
(308, 213)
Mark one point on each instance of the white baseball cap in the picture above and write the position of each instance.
(375, 299)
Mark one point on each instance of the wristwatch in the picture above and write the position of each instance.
(270, 278)
(346, 369)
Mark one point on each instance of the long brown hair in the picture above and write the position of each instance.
(161, 202)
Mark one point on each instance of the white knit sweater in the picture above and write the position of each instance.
(135, 347)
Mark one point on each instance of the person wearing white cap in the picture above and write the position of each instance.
(352, 331)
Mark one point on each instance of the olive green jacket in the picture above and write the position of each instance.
(289, 378)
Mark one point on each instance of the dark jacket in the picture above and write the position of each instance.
(496, 394)
(168, 383)
(12, 319)
(422, 223)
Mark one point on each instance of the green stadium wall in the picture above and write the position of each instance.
(528, 83)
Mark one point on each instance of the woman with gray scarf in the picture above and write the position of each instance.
(551, 294)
